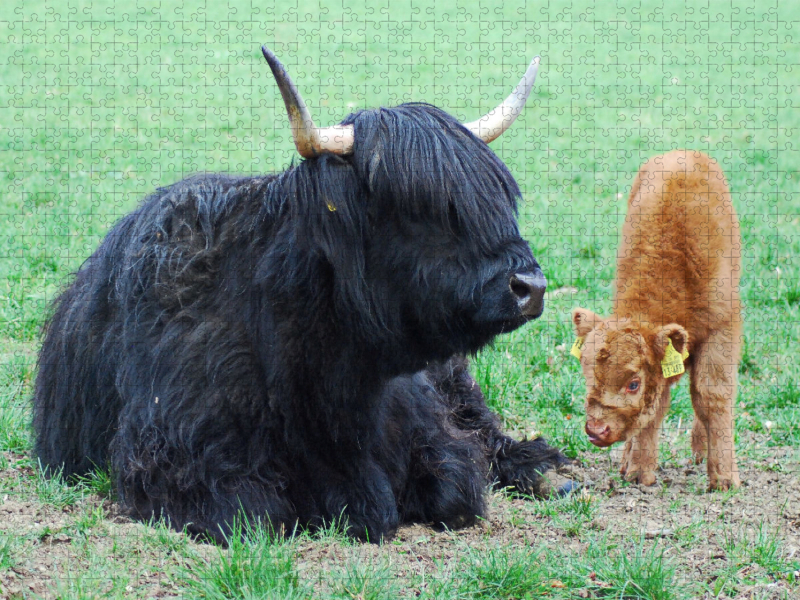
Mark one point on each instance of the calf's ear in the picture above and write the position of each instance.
(584, 321)
(672, 332)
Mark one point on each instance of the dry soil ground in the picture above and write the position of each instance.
(739, 544)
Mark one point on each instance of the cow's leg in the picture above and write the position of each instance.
(531, 467)
(438, 472)
(206, 506)
(640, 457)
(351, 490)
(713, 389)
(446, 477)
(196, 454)
(527, 466)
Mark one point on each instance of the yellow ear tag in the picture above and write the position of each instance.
(673, 361)
(331, 207)
(576, 348)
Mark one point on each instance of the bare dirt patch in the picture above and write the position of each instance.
(738, 544)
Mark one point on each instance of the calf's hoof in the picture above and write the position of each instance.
(635, 474)
(723, 484)
(697, 458)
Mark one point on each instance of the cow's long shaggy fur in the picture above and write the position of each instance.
(287, 346)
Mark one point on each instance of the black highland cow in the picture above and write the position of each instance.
(289, 346)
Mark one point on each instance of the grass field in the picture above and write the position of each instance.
(101, 102)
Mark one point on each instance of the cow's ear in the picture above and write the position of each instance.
(670, 333)
(584, 321)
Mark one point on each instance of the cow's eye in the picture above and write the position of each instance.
(633, 386)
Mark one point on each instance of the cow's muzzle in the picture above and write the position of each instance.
(528, 289)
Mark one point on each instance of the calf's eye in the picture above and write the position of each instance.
(633, 386)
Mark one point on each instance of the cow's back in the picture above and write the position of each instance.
(161, 262)
(75, 402)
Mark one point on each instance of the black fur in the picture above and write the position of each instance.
(288, 345)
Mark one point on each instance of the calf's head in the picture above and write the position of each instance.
(622, 364)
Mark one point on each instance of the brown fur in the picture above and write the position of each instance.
(677, 279)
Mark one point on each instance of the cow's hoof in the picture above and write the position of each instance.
(567, 488)
(557, 483)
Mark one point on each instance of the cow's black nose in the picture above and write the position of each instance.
(528, 289)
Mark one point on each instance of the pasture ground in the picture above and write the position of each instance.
(613, 540)
(101, 102)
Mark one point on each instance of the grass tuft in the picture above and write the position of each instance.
(256, 564)
(508, 572)
(362, 579)
(100, 482)
(51, 488)
(761, 546)
(8, 542)
(636, 573)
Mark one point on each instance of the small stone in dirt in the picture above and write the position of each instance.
(653, 529)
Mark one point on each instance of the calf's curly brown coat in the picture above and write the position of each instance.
(677, 291)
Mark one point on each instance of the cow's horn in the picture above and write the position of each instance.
(309, 139)
(492, 125)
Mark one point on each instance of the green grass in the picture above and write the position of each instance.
(761, 546)
(105, 101)
(83, 586)
(100, 482)
(579, 505)
(7, 550)
(363, 580)
(636, 573)
(14, 418)
(504, 573)
(603, 570)
(51, 488)
(253, 566)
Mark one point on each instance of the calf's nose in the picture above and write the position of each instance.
(528, 289)
(598, 433)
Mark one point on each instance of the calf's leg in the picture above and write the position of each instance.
(699, 441)
(640, 457)
(713, 390)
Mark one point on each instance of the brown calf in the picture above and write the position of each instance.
(677, 292)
